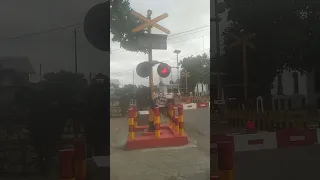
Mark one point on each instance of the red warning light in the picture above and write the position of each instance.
(164, 70)
(250, 125)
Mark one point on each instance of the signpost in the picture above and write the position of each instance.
(186, 75)
(243, 40)
(149, 23)
(155, 41)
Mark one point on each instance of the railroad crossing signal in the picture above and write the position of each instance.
(143, 69)
(243, 41)
(164, 70)
(149, 23)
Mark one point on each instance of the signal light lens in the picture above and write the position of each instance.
(164, 70)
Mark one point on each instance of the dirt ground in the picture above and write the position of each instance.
(188, 162)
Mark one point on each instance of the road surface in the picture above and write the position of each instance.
(184, 163)
(294, 163)
(198, 120)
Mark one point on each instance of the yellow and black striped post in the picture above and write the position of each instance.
(171, 114)
(135, 116)
(181, 127)
(131, 123)
(67, 164)
(157, 121)
(176, 124)
(225, 160)
(80, 159)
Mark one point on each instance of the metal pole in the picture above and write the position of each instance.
(132, 77)
(217, 21)
(186, 82)
(244, 61)
(151, 122)
(149, 12)
(75, 51)
(178, 81)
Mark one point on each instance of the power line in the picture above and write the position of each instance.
(189, 31)
(181, 34)
(122, 50)
(41, 32)
(194, 53)
(121, 71)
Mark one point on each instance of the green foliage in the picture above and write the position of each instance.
(287, 37)
(122, 23)
(95, 105)
(199, 69)
(50, 103)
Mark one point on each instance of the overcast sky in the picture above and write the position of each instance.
(184, 15)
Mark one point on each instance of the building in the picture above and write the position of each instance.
(199, 90)
(292, 90)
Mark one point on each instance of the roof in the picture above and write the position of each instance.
(19, 64)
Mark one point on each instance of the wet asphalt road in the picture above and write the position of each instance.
(295, 163)
(198, 120)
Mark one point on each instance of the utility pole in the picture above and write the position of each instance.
(243, 41)
(177, 52)
(133, 78)
(217, 20)
(151, 123)
(186, 75)
(75, 51)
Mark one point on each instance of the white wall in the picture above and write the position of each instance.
(287, 82)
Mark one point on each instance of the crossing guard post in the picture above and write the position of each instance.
(66, 157)
(225, 160)
(80, 159)
(181, 127)
(157, 122)
(131, 115)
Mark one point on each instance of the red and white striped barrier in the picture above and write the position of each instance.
(195, 105)
(270, 140)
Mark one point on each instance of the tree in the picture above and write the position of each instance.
(286, 38)
(122, 23)
(96, 104)
(199, 69)
(50, 103)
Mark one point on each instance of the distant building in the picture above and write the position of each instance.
(302, 89)
(199, 89)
